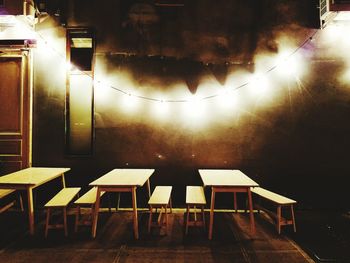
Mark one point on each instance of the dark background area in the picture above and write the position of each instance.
(297, 146)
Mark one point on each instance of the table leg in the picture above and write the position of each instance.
(96, 210)
(235, 201)
(118, 201)
(251, 212)
(211, 213)
(134, 206)
(63, 181)
(30, 210)
(148, 188)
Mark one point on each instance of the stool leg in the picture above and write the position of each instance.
(171, 206)
(150, 219)
(293, 218)
(187, 218)
(47, 221)
(65, 221)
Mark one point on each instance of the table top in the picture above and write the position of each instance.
(33, 176)
(124, 177)
(218, 177)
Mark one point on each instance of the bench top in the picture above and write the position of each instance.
(63, 197)
(160, 195)
(89, 197)
(5, 192)
(195, 195)
(279, 199)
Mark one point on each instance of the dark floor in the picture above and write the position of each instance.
(231, 242)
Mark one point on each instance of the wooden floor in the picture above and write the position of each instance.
(231, 242)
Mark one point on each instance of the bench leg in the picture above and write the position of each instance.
(279, 219)
(150, 219)
(171, 206)
(47, 221)
(293, 218)
(65, 221)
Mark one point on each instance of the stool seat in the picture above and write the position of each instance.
(195, 197)
(160, 198)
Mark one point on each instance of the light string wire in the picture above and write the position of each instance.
(230, 89)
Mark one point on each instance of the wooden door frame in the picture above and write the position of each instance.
(24, 158)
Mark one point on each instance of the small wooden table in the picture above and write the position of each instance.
(231, 181)
(28, 179)
(121, 180)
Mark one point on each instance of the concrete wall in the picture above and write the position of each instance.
(293, 140)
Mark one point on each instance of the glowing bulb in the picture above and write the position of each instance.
(130, 102)
(259, 84)
(227, 99)
(194, 107)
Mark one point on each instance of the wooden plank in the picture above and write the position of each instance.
(160, 195)
(32, 176)
(10, 147)
(124, 177)
(219, 177)
(5, 192)
(63, 197)
(279, 199)
(195, 195)
(89, 197)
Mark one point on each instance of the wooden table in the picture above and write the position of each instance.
(231, 181)
(28, 179)
(121, 180)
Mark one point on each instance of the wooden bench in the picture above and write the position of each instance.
(6, 192)
(281, 202)
(60, 200)
(88, 199)
(195, 197)
(160, 198)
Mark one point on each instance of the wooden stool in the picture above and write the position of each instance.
(88, 199)
(160, 198)
(60, 200)
(195, 197)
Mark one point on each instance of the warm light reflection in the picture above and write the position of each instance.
(194, 107)
(345, 77)
(130, 102)
(101, 91)
(227, 98)
(259, 84)
(160, 108)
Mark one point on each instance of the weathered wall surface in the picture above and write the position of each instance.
(293, 140)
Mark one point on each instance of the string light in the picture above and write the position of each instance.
(287, 64)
